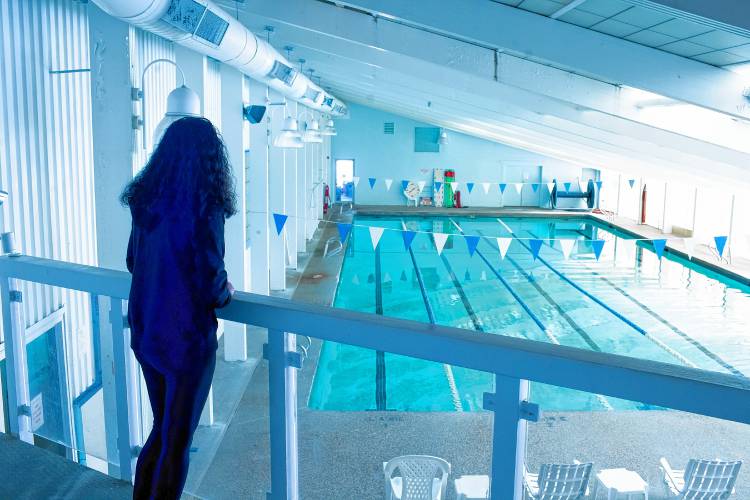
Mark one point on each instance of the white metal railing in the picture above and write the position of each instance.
(513, 361)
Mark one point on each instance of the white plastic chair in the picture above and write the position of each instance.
(701, 479)
(558, 481)
(420, 477)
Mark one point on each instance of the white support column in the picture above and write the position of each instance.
(291, 156)
(310, 223)
(235, 337)
(257, 158)
(302, 187)
(277, 242)
(16, 367)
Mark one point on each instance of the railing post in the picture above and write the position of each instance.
(115, 384)
(511, 411)
(283, 361)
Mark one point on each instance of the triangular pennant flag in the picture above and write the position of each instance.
(518, 186)
(598, 185)
(355, 180)
(440, 239)
(387, 278)
(566, 185)
(503, 244)
(355, 279)
(375, 234)
(502, 186)
(535, 186)
(689, 247)
(404, 185)
(408, 238)
(721, 242)
(632, 183)
(469, 186)
(371, 180)
(550, 186)
(371, 278)
(536, 246)
(421, 185)
(567, 247)
(483, 276)
(597, 246)
(467, 275)
(471, 242)
(437, 185)
(403, 275)
(279, 220)
(454, 185)
(659, 247)
(486, 187)
(388, 183)
(344, 230)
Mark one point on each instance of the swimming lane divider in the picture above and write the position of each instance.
(508, 287)
(457, 405)
(578, 287)
(380, 374)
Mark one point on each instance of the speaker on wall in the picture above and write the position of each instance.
(254, 114)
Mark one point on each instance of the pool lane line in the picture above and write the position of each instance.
(684, 335)
(457, 405)
(381, 400)
(553, 339)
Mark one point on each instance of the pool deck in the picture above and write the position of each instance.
(341, 453)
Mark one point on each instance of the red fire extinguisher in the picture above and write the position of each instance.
(326, 198)
(457, 199)
(643, 205)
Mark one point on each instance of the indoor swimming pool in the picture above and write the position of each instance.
(627, 302)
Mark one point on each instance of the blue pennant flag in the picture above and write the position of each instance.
(469, 186)
(632, 183)
(536, 245)
(472, 242)
(598, 246)
(502, 187)
(408, 238)
(535, 187)
(403, 275)
(659, 246)
(437, 185)
(372, 182)
(404, 184)
(467, 276)
(721, 242)
(344, 230)
(598, 185)
(566, 185)
(279, 220)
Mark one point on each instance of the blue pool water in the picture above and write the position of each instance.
(690, 315)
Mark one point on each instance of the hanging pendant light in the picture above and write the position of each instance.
(289, 137)
(181, 102)
(312, 132)
(329, 129)
(443, 139)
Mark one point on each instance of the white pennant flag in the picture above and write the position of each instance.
(355, 279)
(388, 183)
(387, 278)
(483, 276)
(518, 186)
(503, 244)
(486, 187)
(355, 180)
(440, 239)
(421, 185)
(375, 234)
(454, 185)
(689, 247)
(567, 247)
(550, 186)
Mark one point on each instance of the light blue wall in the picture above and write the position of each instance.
(476, 160)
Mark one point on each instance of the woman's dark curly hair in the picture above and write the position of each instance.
(188, 171)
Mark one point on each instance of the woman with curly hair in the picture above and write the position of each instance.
(178, 203)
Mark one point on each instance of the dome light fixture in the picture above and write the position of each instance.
(181, 102)
(329, 129)
(289, 137)
(312, 132)
(443, 138)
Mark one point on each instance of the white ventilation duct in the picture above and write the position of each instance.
(203, 26)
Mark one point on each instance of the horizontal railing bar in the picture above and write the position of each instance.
(682, 388)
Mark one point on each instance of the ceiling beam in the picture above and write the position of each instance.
(566, 8)
(572, 48)
(729, 12)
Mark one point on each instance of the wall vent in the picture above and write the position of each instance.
(388, 128)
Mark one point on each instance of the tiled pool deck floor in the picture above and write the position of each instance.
(341, 453)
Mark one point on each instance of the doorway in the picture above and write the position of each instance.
(344, 181)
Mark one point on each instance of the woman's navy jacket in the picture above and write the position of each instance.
(179, 279)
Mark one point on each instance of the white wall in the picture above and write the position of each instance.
(475, 160)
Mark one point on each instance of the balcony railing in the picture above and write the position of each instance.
(513, 361)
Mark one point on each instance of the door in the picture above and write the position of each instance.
(344, 181)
